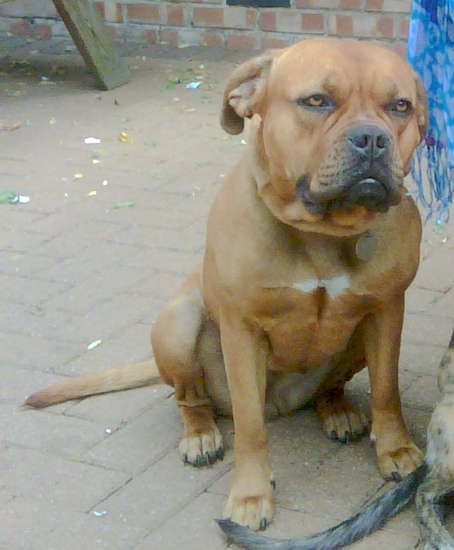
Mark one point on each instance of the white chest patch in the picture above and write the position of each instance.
(334, 287)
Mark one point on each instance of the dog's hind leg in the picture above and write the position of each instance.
(175, 339)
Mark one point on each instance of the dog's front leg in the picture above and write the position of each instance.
(397, 454)
(245, 350)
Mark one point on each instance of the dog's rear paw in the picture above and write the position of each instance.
(400, 462)
(340, 419)
(203, 449)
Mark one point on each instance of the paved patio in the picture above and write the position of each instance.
(81, 263)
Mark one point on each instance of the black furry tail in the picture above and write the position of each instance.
(366, 521)
(429, 509)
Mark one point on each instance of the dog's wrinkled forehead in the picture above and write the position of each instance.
(338, 69)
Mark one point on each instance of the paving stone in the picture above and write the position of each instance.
(164, 488)
(50, 525)
(73, 484)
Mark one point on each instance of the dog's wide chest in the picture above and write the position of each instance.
(309, 322)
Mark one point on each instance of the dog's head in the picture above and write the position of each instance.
(334, 127)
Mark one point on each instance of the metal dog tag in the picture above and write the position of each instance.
(366, 246)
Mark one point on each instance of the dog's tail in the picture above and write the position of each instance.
(429, 498)
(366, 521)
(121, 378)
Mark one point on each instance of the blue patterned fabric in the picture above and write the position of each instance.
(431, 53)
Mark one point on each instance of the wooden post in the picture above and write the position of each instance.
(88, 31)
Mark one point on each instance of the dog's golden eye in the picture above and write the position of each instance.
(401, 106)
(315, 100)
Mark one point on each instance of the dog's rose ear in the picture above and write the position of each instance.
(244, 89)
(421, 108)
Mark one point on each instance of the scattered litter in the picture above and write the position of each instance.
(92, 140)
(124, 137)
(105, 182)
(96, 161)
(193, 85)
(108, 430)
(91, 194)
(243, 142)
(52, 121)
(78, 176)
(10, 197)
(94, 345)
(9, 127)
(100, 513)
(124, 204)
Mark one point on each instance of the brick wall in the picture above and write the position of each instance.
(214, 23)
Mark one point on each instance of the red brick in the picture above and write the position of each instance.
(99, 6)
(385, 27)
(340, 25)
(268, 42)
(176, 15)
(212, 39)
(151, 36)
(208, 17)
(402, 28)
(267, 20)
(375, 5)
(169, 36)
(21, 28)
(241, 41)
(237, 17)
(145, 13)
(42, 31)
(312, 22)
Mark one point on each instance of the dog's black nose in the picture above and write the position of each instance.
(368, 141)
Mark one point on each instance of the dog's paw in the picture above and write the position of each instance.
(341, 420)
(203, 449)
(254, 512)
(400, 462)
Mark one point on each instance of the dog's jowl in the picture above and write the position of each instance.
(311, 244)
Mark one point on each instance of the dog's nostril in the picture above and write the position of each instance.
(382, 141)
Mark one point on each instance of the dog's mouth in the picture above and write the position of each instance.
(368, 193)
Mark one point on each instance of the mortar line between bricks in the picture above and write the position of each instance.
(194, 495)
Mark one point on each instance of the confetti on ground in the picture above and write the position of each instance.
(91, 194)
(10, 197)
(92, 140)
(9, 127)
(52, 121)
(105, 182)
(193, 85)
(124, 137)
(99, 513)
(7, 197)
(124, 204)
(94, 345)
(78, 176)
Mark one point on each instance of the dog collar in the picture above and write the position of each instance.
(366, 246)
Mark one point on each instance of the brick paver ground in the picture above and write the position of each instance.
(105, 472)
